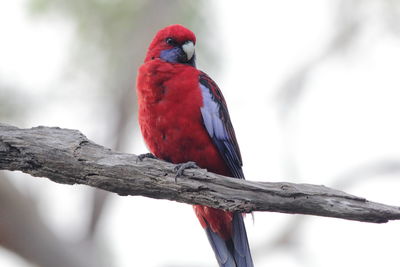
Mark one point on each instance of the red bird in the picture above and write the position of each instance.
(183, 117)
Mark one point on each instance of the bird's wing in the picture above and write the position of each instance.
(218, 124)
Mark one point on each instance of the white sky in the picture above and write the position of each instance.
(348, 117)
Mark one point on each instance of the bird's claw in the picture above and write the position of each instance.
(141, 157)
(181, 167)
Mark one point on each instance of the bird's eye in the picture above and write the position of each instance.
(170, 41)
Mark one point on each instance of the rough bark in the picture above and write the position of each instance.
(68, 157)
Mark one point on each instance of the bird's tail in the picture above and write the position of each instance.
(234, 252)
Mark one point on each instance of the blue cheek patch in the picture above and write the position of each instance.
(171, 55)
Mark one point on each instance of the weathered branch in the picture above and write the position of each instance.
(68, 157)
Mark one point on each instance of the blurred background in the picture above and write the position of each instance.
(313, 92)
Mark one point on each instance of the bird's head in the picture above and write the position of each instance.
(174, 44)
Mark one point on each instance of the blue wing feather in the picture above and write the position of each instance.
(218, 124)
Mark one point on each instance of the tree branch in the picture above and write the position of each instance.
(68, 157)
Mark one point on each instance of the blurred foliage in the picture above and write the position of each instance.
(112, 39)
(117, 31)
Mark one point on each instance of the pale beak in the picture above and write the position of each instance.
(188, 48)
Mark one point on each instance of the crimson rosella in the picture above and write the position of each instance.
(183, 117)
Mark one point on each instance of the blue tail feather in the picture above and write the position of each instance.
(234, 252)
(240, 242)
(222, 253)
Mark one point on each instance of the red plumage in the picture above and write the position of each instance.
(169, 115)
(170, 101)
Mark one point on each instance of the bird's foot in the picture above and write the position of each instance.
(141, 157)
(181, 167)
